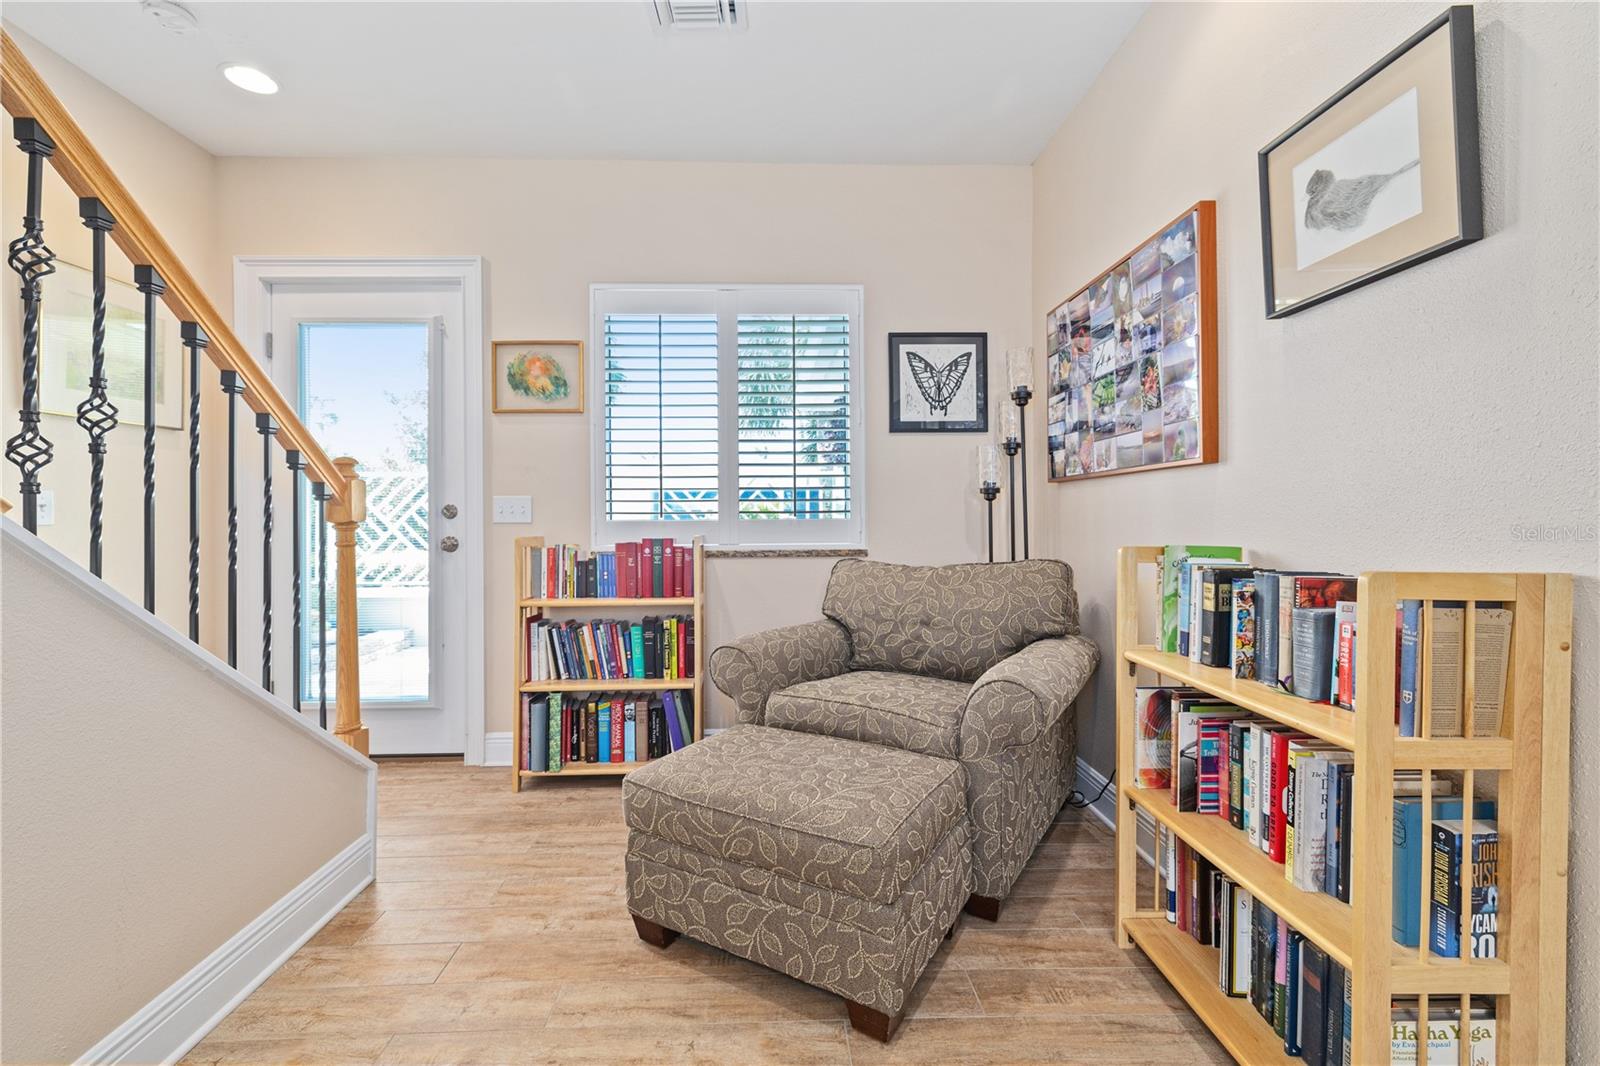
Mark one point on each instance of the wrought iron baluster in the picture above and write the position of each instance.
(194, 339)
(296, 463)
(97, 414)
(320, 491)
(149, 282)
(232, 385)
(29, 451)
(268, 430)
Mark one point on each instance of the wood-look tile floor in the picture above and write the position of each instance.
(497, 933)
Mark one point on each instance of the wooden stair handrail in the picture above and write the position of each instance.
(24, 94)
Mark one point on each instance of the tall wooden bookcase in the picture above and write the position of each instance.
(1530, 758)
(529, 606)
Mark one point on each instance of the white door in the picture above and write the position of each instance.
(375, 372)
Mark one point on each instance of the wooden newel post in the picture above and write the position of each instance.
(346, 512)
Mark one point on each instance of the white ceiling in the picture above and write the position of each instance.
(804, 82)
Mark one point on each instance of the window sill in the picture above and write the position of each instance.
(786, 553)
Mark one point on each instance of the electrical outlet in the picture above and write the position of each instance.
(513, 509)
(47, 507)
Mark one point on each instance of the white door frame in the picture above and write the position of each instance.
(253, 277)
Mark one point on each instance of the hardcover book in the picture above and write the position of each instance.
(1449, 852)
(1312, 652)
(1304, 590)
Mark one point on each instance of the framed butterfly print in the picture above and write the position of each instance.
(1132, 358)
(938, 383)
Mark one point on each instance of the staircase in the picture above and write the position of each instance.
(177, 821)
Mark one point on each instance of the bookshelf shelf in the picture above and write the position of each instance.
(584, 604)
(530, 606)
(637, 684)
(1320, 917)
(1525, 766)
(1192, 970)
(1333, 724)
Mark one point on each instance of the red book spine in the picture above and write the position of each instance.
(1346, 694)
(1182, 868)
(1280, 792)
(1224, 770)
(549, 573)
(566, 732)
(666, 568)
(628, 569)
(616, 731)
(683, 649)
(677, 571)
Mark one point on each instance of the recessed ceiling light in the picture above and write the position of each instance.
(249, 79)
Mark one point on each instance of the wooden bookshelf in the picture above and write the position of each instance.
(530, 606)
(1529, 757)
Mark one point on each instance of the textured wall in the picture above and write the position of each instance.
(151, 810)
(1423, 422)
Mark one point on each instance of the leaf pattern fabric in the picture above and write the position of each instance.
(953, 622)
(904, 711)
(751, 669)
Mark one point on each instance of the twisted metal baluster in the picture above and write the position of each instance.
(320, 491)
(195, 339)
(233, 386)
(33, 261)
(265, 427)
(97, 414)
(149, 282)
(296, 463)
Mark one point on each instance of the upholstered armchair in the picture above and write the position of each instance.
(977, 663)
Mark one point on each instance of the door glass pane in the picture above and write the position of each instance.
(364, 392)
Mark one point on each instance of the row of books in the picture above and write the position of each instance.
(1293, 798)
(1296, 632)
(561, 731)
(1293, 984)
(649, 568)
(1296, 988)
(603, 650)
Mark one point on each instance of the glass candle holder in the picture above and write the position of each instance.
(1010, 420)
(1019, 368)
(988, 465)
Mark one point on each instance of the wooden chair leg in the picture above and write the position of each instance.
(653, 934)
(985, 907)
(873, 1023)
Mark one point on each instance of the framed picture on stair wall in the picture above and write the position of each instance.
(1131, 358)
(938, 383)
(1381, 177)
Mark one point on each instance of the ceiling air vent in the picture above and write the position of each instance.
(699, 14)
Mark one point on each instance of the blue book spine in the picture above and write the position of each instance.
(674, 735)
(1266, 627)
(1408, 851)
(1410, 664)
(605, 732)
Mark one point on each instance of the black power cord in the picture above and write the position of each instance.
(1075, 798)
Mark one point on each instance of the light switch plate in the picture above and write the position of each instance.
(513, 509)
(47, 507)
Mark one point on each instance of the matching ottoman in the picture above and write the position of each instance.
(840, 863)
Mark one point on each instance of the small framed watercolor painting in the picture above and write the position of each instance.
(538, 377)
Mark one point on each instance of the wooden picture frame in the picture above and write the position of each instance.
(537, 377)
(1384, 175)
(1131, 359)
(949, 367)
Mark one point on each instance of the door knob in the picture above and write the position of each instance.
(449, 510)
(449, 544)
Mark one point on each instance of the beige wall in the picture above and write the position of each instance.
(937, 248)
(173, 180)
(152, 809)
(1418, 423)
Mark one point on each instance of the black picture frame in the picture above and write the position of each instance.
(979, 371)
(1469, 191)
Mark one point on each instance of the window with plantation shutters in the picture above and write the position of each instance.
(731, 412)
(794, 417)
(660, 399)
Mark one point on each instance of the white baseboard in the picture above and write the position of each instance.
(497, 749)
(1091, 781)
(172, 1023)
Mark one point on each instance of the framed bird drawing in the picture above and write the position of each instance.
(938, 383)
(1381, 177)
